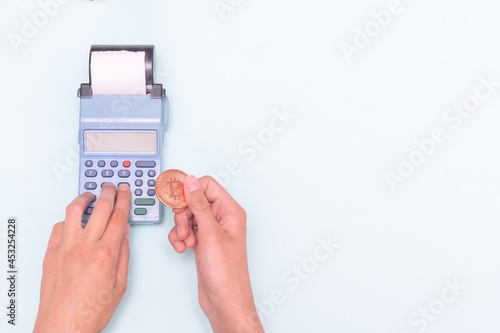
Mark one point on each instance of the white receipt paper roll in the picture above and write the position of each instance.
(118, 72)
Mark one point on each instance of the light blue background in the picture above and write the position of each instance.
(323, 175)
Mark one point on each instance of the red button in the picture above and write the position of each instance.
(126, 164)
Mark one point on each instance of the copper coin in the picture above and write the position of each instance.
(169, 188)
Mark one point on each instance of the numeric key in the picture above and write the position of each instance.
(123, 173)
(90, 173)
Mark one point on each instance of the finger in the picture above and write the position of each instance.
(223, 205)
(195, 248)
(56, 236)
(74, 212)
(123, 260)
(198, 204)
(119, 216)
(182, 222)
(102, 211)
(179, 210)
(222, 202)
(215, 192)
(190, 240)
(184, 210)
(174, 240)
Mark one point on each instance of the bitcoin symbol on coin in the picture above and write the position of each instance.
(169, 188)
(174, 189)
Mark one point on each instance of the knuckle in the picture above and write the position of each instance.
(58, 227)
(208, 179)
(180, 220)
(103, 256)
(57, 230)
(104, 206)
(208, 182)
(172, 236)
(73, 209)
(121, 287)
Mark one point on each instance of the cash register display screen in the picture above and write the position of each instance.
(143, 142)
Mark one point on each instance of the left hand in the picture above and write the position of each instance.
(85, 269)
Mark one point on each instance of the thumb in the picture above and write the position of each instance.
(198, 203)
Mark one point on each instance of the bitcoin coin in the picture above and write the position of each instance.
(169, 188)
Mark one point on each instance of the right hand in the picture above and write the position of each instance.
(214, 226)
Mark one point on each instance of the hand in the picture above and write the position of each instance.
(214, 226)
(85, 269)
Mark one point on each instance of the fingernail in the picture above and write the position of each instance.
(127, 231)
(177, 246)
(123, 187)
(191, 183)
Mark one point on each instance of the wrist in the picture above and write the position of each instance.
(237, 321)
(48, 323)
(238, 316)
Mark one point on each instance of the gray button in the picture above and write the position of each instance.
(90, 173)
(138, 192)
(140, 211)
(151, 182)
(151, 173)
(151, 192)
(95, 198)
(88, 163)
(107, 173)
(138, 182)
(90, 186)
(101, 163)
(123, 173)
(113, 164)
(88, 210)
(144, 202)
(138, 173)
(145, 164)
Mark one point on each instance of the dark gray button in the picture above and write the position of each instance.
(138, 192)
(95, 198)
(138, 182)
(151, 182)
(88, 163)
(90, 186)
(101, 163)
(107, 173)
(122, 183)
(140, 211)
(138, 173)
(123, 173)
(145, 164)
(151, 173)
(90, 173)
(88, 210)
(151, 192)
(113, 164)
